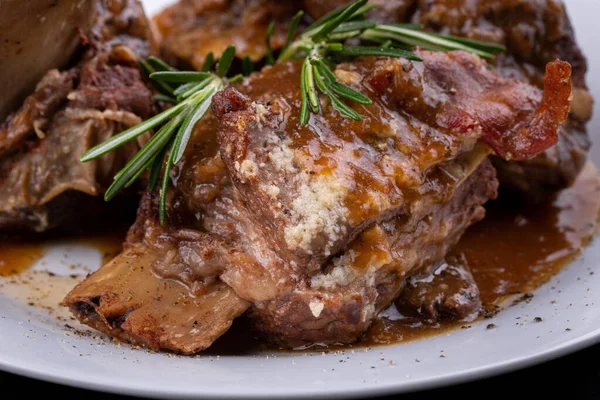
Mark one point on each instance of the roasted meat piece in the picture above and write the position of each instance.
(535, 33)
(42, 182)
(126, 300)
(193, 28)
(315, 228)
(37, 35)
(448, 292)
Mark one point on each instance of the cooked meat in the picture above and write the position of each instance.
(69, 112)
(50, 94)
(37, 35)
(193, 28)
(445, 104)
(318, 188)
(126, 300)
(317, 227)
(535, 33)
(338, 304)
(447, 292)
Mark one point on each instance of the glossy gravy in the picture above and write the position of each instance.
(516, 248)
(17, 256)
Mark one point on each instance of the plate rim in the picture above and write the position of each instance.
(110, 385)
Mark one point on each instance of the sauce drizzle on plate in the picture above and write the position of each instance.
(516, 248)
(513, 250)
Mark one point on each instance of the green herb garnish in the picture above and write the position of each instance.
(320, 46)
(322, 43)
(191, 93)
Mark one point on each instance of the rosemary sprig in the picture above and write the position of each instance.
(191, 93)
(411, 35)
(322, 43)
(321, 46)
(270, 59)
(319, 40)
(208, 62)
(247, 66)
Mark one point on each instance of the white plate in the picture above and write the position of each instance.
(38, 345)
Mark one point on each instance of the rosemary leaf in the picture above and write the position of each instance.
(292, 29)
(186, 129)
(225, 61)
(179, 76)
(414, 27)
(184, 88)
(337, 87)
(138, 174)
(343, 108)
(159, 65)
(270, 60)
(165, 98)
(401, 46)
(304, 112)
(324, 70)
(161, 87)
(389, 43)
(236, 78)
(475, 44)
(354, 26)
(355, 51)
(360, 13)
(427, 40)
(334, 46)
(247, 66)
(162, 201)
(209, 60)
(346, 13)
(144, 156)
(315, 26)
(349, 93)
(399, 40)
(131, 133)
(342, 37)
(146, 67)
(194, 89)
(336, 103)
(329, 63)
(309, 84)
(156, 169)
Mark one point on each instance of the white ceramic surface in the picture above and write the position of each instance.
(35, 344)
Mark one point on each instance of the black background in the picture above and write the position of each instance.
(576, 376)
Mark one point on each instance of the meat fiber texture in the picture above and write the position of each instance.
(192, 29)
(311, 231)
(535, 33)
(43, 184)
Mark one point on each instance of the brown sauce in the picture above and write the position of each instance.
(109, 244)
(17, 256)
(516, 248)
